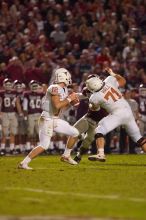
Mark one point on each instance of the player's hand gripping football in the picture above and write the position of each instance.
(74, 99)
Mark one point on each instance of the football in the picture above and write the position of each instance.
(75, 102)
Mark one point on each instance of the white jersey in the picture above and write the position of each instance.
(120, 113)
(109, 97)
(48, 109)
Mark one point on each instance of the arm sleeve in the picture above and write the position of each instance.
(53, 90)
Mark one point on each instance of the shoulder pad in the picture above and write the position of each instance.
(53, 89)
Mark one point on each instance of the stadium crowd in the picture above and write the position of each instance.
(85, 37)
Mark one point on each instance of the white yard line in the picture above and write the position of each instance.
(83, 195)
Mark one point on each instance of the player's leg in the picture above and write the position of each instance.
(59, 143)
(106, 125)
(5, 132)
(82, 126)
(45, 134)
(13, 132)
(17, 136)
(36, 129)
(61, 126)
(89, 137)
(134, 132)
(23, 132)
(30, 135)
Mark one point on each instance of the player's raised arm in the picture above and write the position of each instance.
(121, 80)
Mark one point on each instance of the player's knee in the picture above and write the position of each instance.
(14, 132)
(75, 132)
(45, 144)
(99, 135)
(141, 141)
(5, 132)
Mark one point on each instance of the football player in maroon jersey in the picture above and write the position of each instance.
(86, 125)
(32, 110)
(9, 104)
(20, 139)
(141, 99)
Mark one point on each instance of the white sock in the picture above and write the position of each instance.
(17, 147)
(2, 146)
(31, 147)
(101, 151)
(28, 146)
(11, 146)
(26, 160)
(51, 147)
(67, 152)
(21, 147)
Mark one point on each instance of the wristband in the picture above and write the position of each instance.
(69, 99)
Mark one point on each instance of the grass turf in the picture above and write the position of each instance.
(116, 188)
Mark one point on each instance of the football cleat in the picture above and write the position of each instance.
(78, 158)
(24, 166)
(68, 160)
(97, 157)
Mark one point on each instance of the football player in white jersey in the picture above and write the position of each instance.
(107, 95)
(53, 105)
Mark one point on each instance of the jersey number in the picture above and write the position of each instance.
(8, 102)
(35, 104)
(113, 94)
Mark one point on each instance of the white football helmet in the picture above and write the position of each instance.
(94, 84)
(62, 75)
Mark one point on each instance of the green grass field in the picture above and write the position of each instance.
(115, 189)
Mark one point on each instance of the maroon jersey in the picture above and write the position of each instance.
(34, 101)
(8, 101)
(97, 115)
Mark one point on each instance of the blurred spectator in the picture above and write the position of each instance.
(58, 35)
(3, 73)
(15, 69)
(82, 36)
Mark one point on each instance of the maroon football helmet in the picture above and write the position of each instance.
(7, 84)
